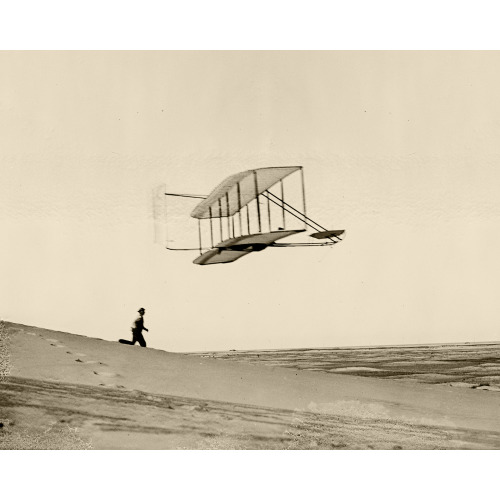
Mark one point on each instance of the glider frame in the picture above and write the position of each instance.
(229, 199)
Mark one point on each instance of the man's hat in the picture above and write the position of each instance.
(141, 310)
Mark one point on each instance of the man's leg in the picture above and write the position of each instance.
(140, 339)
(134, 337)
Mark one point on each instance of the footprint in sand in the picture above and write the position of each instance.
(55, 343)
(93, 362)
(90, 361)
(113, 386)
(106, 374)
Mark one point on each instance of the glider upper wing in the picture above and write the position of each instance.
(231, 195)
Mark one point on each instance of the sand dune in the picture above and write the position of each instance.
(71, 391)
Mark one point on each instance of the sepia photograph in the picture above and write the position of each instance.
(250, 250)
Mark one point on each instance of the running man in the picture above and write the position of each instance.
(137, 328)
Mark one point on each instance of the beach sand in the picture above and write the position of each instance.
(66, 391)
(473, 365)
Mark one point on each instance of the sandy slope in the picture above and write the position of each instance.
(68, 391)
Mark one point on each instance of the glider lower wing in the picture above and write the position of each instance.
(219, 256)
(235, 248)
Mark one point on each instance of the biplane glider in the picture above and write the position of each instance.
(239, 213)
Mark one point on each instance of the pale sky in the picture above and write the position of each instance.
(401, 149)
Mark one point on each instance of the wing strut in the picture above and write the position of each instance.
(303, 197)
(257, 199)
(239, 206)
(228, 218)
(220, 219)
(211, 228)
(199, 235)
(282, 202)
(269, 213)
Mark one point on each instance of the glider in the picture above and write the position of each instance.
(239, 213)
